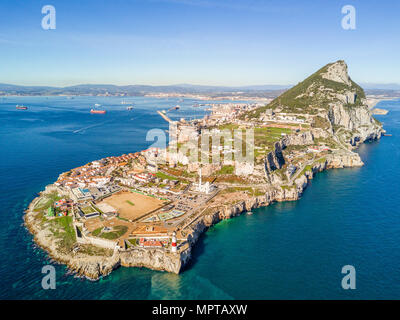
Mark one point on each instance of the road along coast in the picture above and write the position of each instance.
(135, 211)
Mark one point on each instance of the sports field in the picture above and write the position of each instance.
(132, 205)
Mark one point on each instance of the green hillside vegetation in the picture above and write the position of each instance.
(226, 170)
(266, 137)
(297, 99)
(117, 232)
(62, 228)
(320, 122)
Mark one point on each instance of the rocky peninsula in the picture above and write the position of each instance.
(138, 210)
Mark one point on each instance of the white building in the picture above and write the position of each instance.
(204, 188)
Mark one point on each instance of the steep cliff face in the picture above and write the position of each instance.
(330, 95)
(156, 259)
(339, 112)
(348, 111)
(337, 72)
(330, 84)
(344, 160)
(356, 121)
(274, 159)
(93, 267)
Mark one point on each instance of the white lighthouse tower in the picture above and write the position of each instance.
(173, 248)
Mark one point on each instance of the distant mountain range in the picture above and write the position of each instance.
(138, 90)
(133, 90)
(237, 88)
(380, 86)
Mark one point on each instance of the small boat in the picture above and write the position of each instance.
(175, 108)
(249, 213)
(97, 111)
(18, 107)
(129, 108)
(97, 105)
(196, 105)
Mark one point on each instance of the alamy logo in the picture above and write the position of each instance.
(49, 280)
(205, 147)
(349, 20)
(349, 280)
(49, 20)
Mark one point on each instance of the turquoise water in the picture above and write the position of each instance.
(290, 250)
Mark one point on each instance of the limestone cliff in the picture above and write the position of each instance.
(274, 159)
(347, 109)
(338, 108)
(355, 124)
(94, 266)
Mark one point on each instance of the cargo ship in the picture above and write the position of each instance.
(18, 107)
(97, 111)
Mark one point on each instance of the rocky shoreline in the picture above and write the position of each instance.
(345, 123)
(94, 267)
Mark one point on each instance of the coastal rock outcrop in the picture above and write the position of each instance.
(337, 72)
(344, 160)
(274, 159)
(156, 259)
(93, 268)
(302, 138)
(357, 120)
(339, 117)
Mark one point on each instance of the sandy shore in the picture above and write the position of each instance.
(372, 101)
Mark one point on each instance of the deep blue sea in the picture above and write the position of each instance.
(288, 250)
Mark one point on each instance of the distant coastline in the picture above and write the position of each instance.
(198, 92)
(373, 100)
(148, 209)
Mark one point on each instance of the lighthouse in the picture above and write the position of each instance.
(173, 249)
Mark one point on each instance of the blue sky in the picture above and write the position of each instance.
(213, 42)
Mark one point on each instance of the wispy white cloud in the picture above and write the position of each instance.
(6, 41)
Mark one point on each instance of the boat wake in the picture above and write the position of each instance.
(89, 127)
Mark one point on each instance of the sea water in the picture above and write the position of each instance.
(291, 250)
